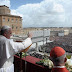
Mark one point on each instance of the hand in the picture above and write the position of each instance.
(30, 35)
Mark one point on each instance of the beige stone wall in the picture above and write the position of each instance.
(0, 21)
(26, 30)
(4, 10)
(59, 29)
(13, 21)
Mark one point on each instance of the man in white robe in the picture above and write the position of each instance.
(8, 48)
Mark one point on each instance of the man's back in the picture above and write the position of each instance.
(59, 70)
(2, 51)
(8, 48)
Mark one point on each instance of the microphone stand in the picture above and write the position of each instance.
(25, 58)
(21, 70)
(25, 62)
(21, 62)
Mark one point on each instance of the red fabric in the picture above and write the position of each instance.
(31, 59)
(31, 65)
(57, 52)
(59, 70)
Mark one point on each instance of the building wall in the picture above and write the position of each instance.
(0, 21)
(11, 20)
(26, 30)
(4, 10)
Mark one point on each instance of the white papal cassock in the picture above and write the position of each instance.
(8, 48)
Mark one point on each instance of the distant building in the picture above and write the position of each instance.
(26, 30)
(15, 22)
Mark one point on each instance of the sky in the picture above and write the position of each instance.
(42, 13)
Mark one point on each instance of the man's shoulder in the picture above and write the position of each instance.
(2, 38)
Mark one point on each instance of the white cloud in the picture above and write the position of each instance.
(58, 8)
(14, 12)
(5, 2)
(67, 4)
(46, 13)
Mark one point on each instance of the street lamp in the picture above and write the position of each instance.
(43, 36)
